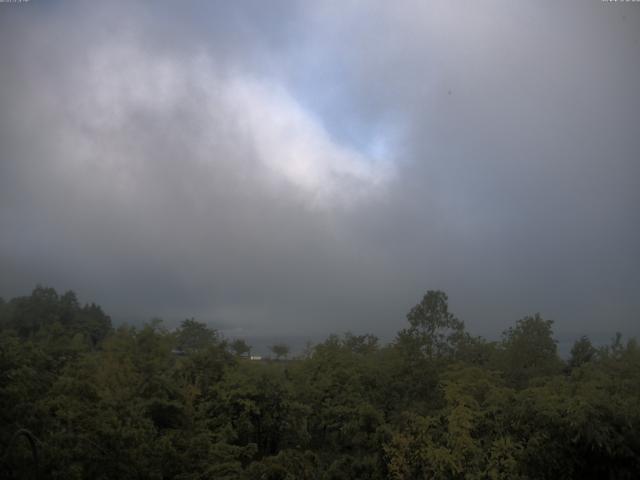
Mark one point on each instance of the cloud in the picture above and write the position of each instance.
(294, 145)
(127, 83)
(312, 167)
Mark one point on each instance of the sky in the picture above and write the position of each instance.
(294, 167)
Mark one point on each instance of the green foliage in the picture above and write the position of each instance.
(240, 348)
(193, 336)
(433, 331)
(280, 350)
(582, 352)
(528, 351)
(102, 403)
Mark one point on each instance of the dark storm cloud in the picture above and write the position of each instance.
(309, 168)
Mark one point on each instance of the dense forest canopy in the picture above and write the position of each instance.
(80, 398)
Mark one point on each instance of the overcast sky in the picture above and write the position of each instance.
(308, 167)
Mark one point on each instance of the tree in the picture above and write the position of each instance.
(280, 350)
(240, 347)
(582, 352)
(437, 403)
(193, 335)
(529, 350)
(31, 313)
(433, 330)
(361, 344)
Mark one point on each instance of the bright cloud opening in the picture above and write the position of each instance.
(285, 139)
